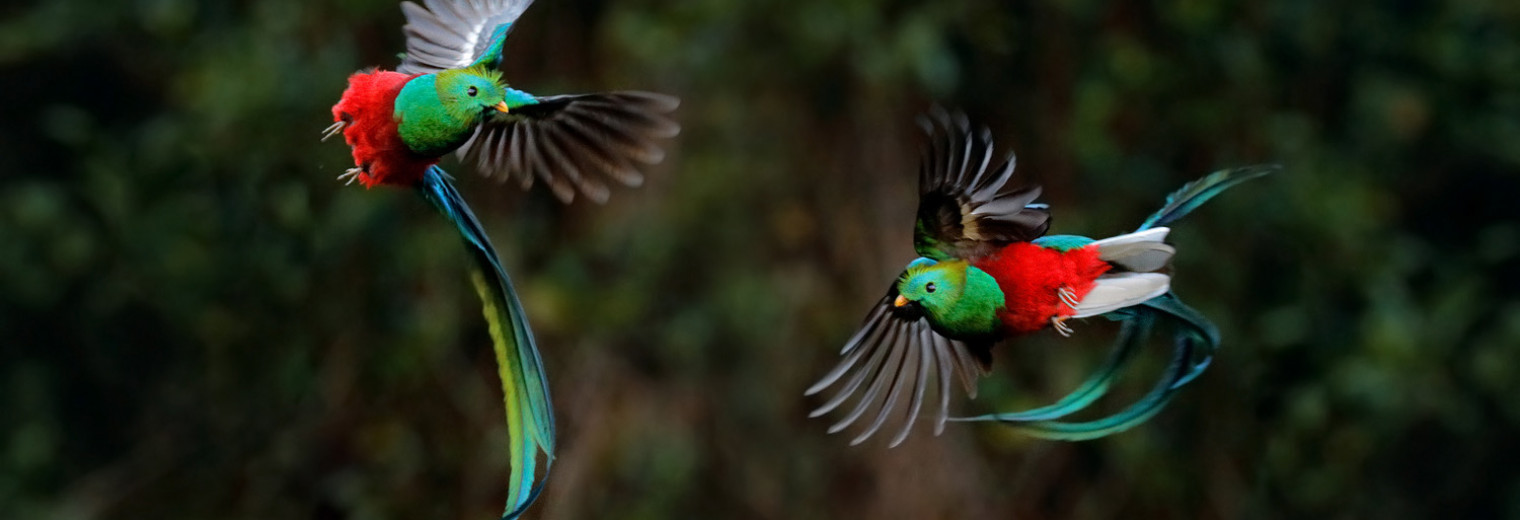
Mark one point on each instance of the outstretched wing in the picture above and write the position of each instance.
(962, 210)
(890, 364)
(525, 391)
(575, 142)
(451, 34)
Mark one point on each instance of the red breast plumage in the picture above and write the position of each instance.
(1031, 277)
(368, 108)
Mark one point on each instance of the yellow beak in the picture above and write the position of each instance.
(501, 107)
(900, 301)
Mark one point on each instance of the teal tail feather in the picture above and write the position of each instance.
(1195, 341)
(1130, 336)
(1194, 194)
(525, 391)
(1194, 326)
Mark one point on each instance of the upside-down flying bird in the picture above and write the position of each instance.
(446, 97)
(987, 273)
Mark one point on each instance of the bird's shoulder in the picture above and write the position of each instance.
(1062, 243)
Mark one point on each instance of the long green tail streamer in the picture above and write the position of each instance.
(525, 391)
(1130, 336)
(1194, 194)
(1198, 327)
(1194, 335)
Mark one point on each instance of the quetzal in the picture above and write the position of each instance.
(987, 273)
(446, 96)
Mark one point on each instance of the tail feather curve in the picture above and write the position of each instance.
(525, 390)
(1195, 340)
(1194, 194)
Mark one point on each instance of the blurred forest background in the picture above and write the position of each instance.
(197, 321)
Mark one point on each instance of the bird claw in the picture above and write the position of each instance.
(333, 130)
(351, 174)
(1068, 296)
(1059, 323)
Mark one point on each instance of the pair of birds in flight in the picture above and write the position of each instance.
(986, 272)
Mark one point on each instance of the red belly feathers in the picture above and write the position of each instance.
(1030, 275)
(368, 107)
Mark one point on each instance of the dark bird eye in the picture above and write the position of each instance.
(472, 91)
(929, 287)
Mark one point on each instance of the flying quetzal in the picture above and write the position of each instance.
(986, 273)
(446, 96)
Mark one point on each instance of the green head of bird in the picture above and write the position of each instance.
(438, 112)
(471, 93)
(930, 287)
(959, 300)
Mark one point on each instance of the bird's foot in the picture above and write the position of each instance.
(350, 174)
(1068, 296)
(1059, 323)
(334, 129)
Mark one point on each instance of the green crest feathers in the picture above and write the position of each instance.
(485, 72)
(480, 71)
(451, 82)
